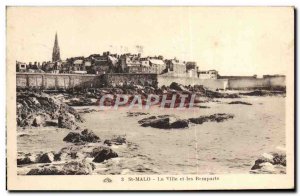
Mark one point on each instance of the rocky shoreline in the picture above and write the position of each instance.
(86, 149)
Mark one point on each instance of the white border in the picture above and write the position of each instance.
(5, 3)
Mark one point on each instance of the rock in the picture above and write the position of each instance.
(203, 92)
(23, 161)
(179, 124)
(67, 120)
(199, 120)
(178, 87)
(57, 156)
(219, 117)
(161, 123)
(146, 119)
(131, 114)
(69, 168)
(73, 137)
(89, 136)
(45, 171)
(270, 163)
(52, 123)
(81, 101)
(240, 102)
(279, 159)
(268, 168)
(45, 158)
(164, 122)
(103, 153)
(108, 142)
(85, 136)
(116, 140)
(33, 109)
(39, 120)
(77, 168)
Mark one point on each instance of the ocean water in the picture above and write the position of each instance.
(231, 146)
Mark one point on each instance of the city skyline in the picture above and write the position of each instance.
(254, 46)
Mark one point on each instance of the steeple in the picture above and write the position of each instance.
(56, 52)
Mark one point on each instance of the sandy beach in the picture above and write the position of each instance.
(210, 148)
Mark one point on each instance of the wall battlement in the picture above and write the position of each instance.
(47, 81)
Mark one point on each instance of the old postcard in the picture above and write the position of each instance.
(150, 98)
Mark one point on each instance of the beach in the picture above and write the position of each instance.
(230, 146)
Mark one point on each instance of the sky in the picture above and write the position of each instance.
(232, 40)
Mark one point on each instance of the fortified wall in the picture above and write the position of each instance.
(230, 83)
(250, 83)
(47, 81)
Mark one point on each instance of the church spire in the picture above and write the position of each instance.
(56, 52)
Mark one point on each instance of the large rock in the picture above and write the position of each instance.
(89, 136)
(45, 171)
(103, 153)
(73, 137)
(33, 109)
(69, 168)
(40, 120)
(240, 102)
(78, 168)
(179, 124)
(161, 123)
(116, 140)
(85, 136)
(274, 162)
(219, 117)
(24, 161)
(67, 120)
(164, 122)
(45, 158)
(178, 87)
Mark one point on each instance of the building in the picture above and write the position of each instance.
(78, 67)
(176, 67)
(157, 66)
(21, 67)
(210, 74)
(104, 63)
(56, 50)
(130, 63)
(191, 69)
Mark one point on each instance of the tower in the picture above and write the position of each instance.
(55, 53)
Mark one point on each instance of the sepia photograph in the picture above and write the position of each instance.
(150, 98)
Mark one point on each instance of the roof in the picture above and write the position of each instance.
(157, 61)
(133, 63)
(78, 61)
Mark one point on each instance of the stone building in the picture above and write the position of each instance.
(210, 74)
(78, 67)
(21, 67)
(157, 66)
(176, 67)
(105, 63)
